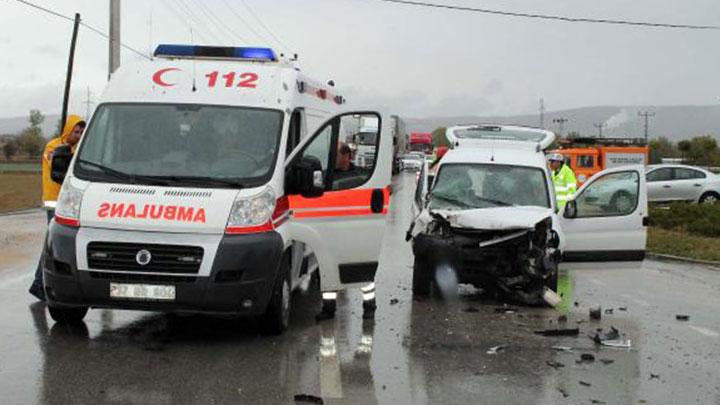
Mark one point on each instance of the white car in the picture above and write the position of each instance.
(410, 162)
(668, 183)
(491, 218)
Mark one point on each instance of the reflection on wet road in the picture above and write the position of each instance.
(413, 352)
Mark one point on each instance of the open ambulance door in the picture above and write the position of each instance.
(605, 224)
(343, 220)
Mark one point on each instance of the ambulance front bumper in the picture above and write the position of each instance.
(240, 281)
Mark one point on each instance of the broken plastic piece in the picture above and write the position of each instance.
(601, 336)
(622, 308)
(622, 343)
(587, 357)
(495, 349)
(308, 398)
(563, 392)
(505, 310)
(558, 332)
(551, 297)
(608, 311)
(587, 384)
(562, 348)
(562, 318)
(607, 361)
(596, 313)
(394, 301)
(682, 317)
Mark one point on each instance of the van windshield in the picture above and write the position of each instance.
(467, 186)
(193, 145)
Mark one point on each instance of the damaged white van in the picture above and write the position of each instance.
(490, 217)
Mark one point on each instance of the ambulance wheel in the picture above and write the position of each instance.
(68, 315)
(422, 279)
(276, 318)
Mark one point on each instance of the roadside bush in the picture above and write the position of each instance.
(698, 219)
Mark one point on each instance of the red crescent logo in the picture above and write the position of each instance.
(157, 77)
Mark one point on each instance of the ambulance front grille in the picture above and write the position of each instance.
(184, 193)
(163, 258)
(132, 190)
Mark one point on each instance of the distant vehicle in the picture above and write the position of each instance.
(365, 140)
(587, 156)
(667, 183)
(421, 142)
(410, 162)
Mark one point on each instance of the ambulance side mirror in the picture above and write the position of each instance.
(307, 177)
(61, 157)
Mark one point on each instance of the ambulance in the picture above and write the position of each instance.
(207, 182)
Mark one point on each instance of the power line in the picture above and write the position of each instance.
(91, 28)
(183, 19)
(647, 115)
(245, 22)
(211, 16)
(186, 9)
(554, 17)
(265, 27)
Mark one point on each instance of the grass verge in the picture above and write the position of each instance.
(680, 243)
(19, 190)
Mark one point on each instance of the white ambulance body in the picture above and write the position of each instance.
(205, 182)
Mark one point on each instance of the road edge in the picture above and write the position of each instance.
(21, 212)
(711, 265)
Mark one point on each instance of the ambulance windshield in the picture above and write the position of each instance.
(180, 145)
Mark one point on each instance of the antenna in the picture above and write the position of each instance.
(192, 41)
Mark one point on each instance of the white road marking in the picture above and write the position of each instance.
(704, 331)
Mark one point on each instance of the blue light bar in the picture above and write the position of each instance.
(220, 52)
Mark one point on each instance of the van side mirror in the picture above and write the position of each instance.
(307, 177)
(570, 209)
(61, 157)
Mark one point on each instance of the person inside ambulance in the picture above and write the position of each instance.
(346, 174)
(71, 134)
(563, 179)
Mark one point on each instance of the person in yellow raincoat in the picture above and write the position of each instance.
(71, 134)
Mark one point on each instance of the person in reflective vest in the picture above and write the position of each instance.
(563, 179)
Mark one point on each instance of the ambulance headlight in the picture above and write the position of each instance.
(252, 211)
(67, 210)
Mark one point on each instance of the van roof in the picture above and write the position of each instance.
(499, 155)
(487, 134)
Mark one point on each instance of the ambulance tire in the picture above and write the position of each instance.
(422, 279)
(276, 318)
(67, 315)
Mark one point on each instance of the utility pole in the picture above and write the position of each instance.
(561, 123)
(87, 103)
(542, 113)
(68, 78)
(647, 115)
(114, 54)
(599, 126)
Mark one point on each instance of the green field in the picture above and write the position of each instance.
(680, 243)
(20, 191)
(19, 167)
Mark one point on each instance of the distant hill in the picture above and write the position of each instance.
(16, 124)
(673, 122)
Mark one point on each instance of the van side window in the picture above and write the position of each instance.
(294, 132)
(614, 194)
(346, 148)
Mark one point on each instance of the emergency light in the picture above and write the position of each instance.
(223, 52)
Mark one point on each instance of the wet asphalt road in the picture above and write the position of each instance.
(413, 352)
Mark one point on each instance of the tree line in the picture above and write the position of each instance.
(29, 143)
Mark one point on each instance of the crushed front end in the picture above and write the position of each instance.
(514, 263)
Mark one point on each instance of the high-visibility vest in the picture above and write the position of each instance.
(565, 184)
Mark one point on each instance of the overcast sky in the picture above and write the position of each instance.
(418, 62)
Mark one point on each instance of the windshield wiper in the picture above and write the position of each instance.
(452, 200)
(201, 180)
(496, 202)
(121, 175)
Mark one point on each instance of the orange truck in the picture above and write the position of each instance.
(587, 156)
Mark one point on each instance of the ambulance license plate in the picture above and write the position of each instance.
(143, 291)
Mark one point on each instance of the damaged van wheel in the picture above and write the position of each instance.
(67, 315)
(276, 318)
(422, 279)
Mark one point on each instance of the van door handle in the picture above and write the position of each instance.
(377, 201)
(667, 186)
(697, 185)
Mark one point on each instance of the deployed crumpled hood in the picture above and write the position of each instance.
(499, 218)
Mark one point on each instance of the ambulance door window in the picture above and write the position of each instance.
(294, 132)
(357, 147)
(320, 149)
